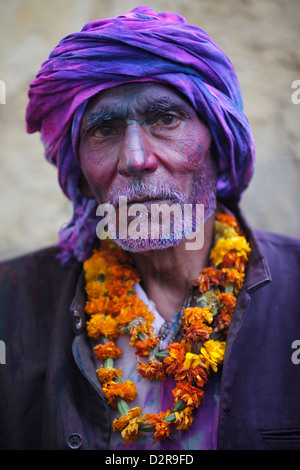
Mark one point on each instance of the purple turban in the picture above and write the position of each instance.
(137, 46)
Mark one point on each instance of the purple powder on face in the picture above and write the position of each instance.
(134, 47)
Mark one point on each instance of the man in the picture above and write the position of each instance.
(172, 348)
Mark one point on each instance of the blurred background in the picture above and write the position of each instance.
(261, 37)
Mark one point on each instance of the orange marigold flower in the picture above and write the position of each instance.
(197, 315)
(102, 325)
(175, 359)
(229, 220)
(225, 245)
(142, 348)
(228, 303)
(197, 332)
(109, 349)
(198, 375)
(126, 391)
(162, 428)
(124, 273)
(234, 277)
(133, 310)
(114, 304)
(193, 396)
(209, 277)
(117, 287)
(151, 370)
(107, 374)
(232, 260)
(100, 305)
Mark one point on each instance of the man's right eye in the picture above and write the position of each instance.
(103, 131)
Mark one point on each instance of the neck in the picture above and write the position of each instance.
(167, 275)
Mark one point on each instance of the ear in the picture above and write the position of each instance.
(84, 186)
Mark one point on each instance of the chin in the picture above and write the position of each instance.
(144, 245)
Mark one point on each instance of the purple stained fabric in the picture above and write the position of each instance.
(137, 46)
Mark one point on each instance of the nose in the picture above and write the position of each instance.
(136, 153)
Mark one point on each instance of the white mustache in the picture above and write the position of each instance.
(142, 190)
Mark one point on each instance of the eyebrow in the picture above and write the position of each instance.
(163, 105)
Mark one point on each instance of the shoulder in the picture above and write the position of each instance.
(277, 239)
(282, 256)
(37, 262)
(34, 275)
(283, 247)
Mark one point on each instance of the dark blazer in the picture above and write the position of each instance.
(50, 396)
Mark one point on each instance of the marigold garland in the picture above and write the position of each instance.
(114, 309)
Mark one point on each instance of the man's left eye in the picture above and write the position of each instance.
(167, 119)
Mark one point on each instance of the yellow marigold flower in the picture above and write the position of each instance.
(95, 289)
(193, 360)
(108, 374)
(126, 390)
(225, 245)
(142, 327)
(184, 418)
(120, 423)
(229, 220)
(224, 230)
(128, 424)
(213, 352)
(102, 325)
(197, 315)
(95, 267)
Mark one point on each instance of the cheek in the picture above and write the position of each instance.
(97, 171)
(193, 147)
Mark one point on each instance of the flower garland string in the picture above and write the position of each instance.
(114, 309)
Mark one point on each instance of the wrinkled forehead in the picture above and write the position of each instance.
(137, 97)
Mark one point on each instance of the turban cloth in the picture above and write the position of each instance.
(137, 46)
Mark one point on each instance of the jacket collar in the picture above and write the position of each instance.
(258, 272)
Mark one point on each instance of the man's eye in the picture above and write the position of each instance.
(167, 120)
(103, 131)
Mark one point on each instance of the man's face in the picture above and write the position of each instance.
(144, 141)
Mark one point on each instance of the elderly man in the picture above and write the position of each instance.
(174, 345)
